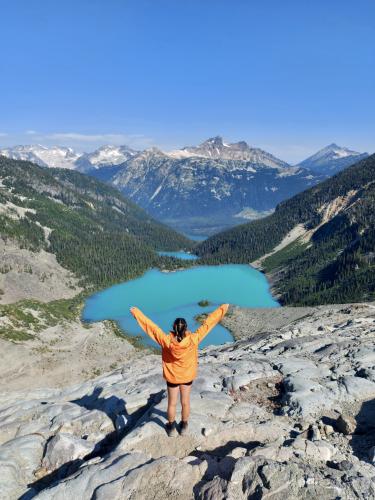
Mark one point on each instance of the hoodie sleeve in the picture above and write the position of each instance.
(152, 330)
(211, 320)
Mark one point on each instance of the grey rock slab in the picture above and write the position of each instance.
(234, 382)
(211, 403)
(64, 448)
(84, 483)
(358, 388)
(318, 451)
(305, 397)
(91, 423)
(305, 367)
(245, 411)
(163, 478)
(19, 458)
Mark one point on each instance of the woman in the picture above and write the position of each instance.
(180, 360)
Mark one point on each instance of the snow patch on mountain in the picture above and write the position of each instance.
(54, 157)
(157, 191)
(105, 156)
(332, 159)
(216, 148)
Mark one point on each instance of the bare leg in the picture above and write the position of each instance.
(172, 402)
(185, 402)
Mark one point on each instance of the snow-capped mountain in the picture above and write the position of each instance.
(216, 148)
(214, 183)
(105, 156)
(54, 157)
(332, 159)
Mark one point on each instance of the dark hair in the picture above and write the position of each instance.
(179, 328)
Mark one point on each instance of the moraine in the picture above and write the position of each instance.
(165, 296)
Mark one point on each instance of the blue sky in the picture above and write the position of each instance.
(289, 76)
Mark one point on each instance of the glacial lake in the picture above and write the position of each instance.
(180, 255)
(163, 296)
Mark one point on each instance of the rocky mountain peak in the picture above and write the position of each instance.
(216, 148)
(153, 151)
(332, 158)
(213, 141)
(105, 156)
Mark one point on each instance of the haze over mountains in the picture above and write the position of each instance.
(202, 188)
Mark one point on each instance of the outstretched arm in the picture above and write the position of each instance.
(152, 330)
(211, 320)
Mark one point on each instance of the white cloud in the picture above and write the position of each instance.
(3, 134)
(31, 132)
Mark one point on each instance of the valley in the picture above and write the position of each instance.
(286, 393)
(187, 250)
(317, 247)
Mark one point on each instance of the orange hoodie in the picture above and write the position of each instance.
(180, 359)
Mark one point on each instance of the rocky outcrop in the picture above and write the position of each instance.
(285, 413)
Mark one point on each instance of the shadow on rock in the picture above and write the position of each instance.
(115, 409)
(363, 439)
(220, 463)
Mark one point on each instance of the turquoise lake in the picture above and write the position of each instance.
(163, 296)
(180, 255)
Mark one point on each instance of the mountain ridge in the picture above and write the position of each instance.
(93, 230)
(317, 246)
(213, 147)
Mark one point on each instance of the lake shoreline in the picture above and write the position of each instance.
(236, 284)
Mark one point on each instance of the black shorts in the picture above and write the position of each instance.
(169, 384)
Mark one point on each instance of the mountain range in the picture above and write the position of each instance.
(204, 188)
(317, 247)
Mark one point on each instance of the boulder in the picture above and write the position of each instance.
(346, 424)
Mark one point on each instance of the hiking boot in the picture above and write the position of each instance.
(183, 427)
(171, 429)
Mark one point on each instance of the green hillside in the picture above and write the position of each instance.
(91, 228)
(336, 264)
